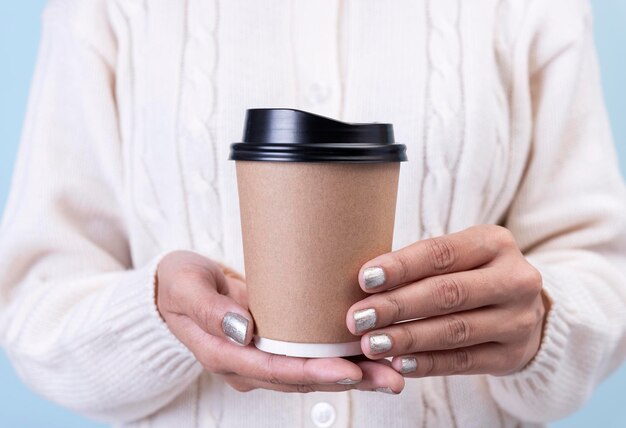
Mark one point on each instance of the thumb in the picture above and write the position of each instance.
(236, 285)
(238, 291)
(208, 300)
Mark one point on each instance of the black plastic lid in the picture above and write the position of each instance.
(290, 135)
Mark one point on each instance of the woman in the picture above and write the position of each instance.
(121, 270)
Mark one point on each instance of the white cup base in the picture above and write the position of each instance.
(308, 350)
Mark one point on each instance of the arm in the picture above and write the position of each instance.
(569, 218)
(473, 302)
(77, 319)
(83, 325)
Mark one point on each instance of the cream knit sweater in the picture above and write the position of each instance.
(124, 158)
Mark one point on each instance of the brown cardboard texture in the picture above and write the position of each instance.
(307, 229)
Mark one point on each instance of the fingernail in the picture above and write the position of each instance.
(364, 319)
(235, 327)
(379, 343)
(386, 390)
(373, 277)
(348, 381)
(408, 365)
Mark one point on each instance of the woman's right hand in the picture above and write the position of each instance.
(207, 311)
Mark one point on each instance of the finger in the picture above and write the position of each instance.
(204, 299)
(376, 377)
(230, 272)
(280, 369)
(456, 252)
(433, 296)
(244, 384)
(445, 332)
(292, 370)
(487, 358)
(238, 291)
(221, 356)
(380, 376)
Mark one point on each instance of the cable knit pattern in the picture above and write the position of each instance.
(501, 160)
(196, 124)
(444, 137)
(444, 141)
(510, 14)
(124, 157)
(144, 197)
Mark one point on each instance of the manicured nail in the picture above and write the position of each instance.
(348, 381)
(235, 327)
(408, 365)
(373, 277)
(364, 319)
(380, 343)
(386, 390)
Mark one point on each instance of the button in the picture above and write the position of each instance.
(323, 414)
(318, 92)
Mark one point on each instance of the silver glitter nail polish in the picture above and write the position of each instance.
(408, 365)
(386, 390)
(364, 319)
(374, 277)
(348, 381)
(235, 327)
(380, 343)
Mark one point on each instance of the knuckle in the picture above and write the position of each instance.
(527, 323)
(448, 294)
(462, 361)
(530, 278)
(271, 374)
(240, 386)
(456, 332)
(398, 307)
(487, 243)
(205, 313)
(303, 388)
(443, 254)
(410, 341)
(308, 371)
(429, 364)
(519, 329)
(503, 236)
(191, 274)
(403, 266)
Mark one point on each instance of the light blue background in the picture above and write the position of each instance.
(19, 34)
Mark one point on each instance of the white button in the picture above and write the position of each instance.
(323, 414)
(318, 93)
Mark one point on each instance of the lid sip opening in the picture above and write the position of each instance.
(291, 135)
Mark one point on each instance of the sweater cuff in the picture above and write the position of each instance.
(526, 392)
(148, 338)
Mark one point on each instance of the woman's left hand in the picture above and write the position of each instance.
(464, 303)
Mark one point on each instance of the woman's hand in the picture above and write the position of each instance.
(205, 306)
(477, 301)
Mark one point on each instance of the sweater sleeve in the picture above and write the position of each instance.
(569, 218)
(77, 319)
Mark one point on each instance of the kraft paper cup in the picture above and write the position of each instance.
(317, 200)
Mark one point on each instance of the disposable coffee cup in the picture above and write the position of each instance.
(317, 199)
